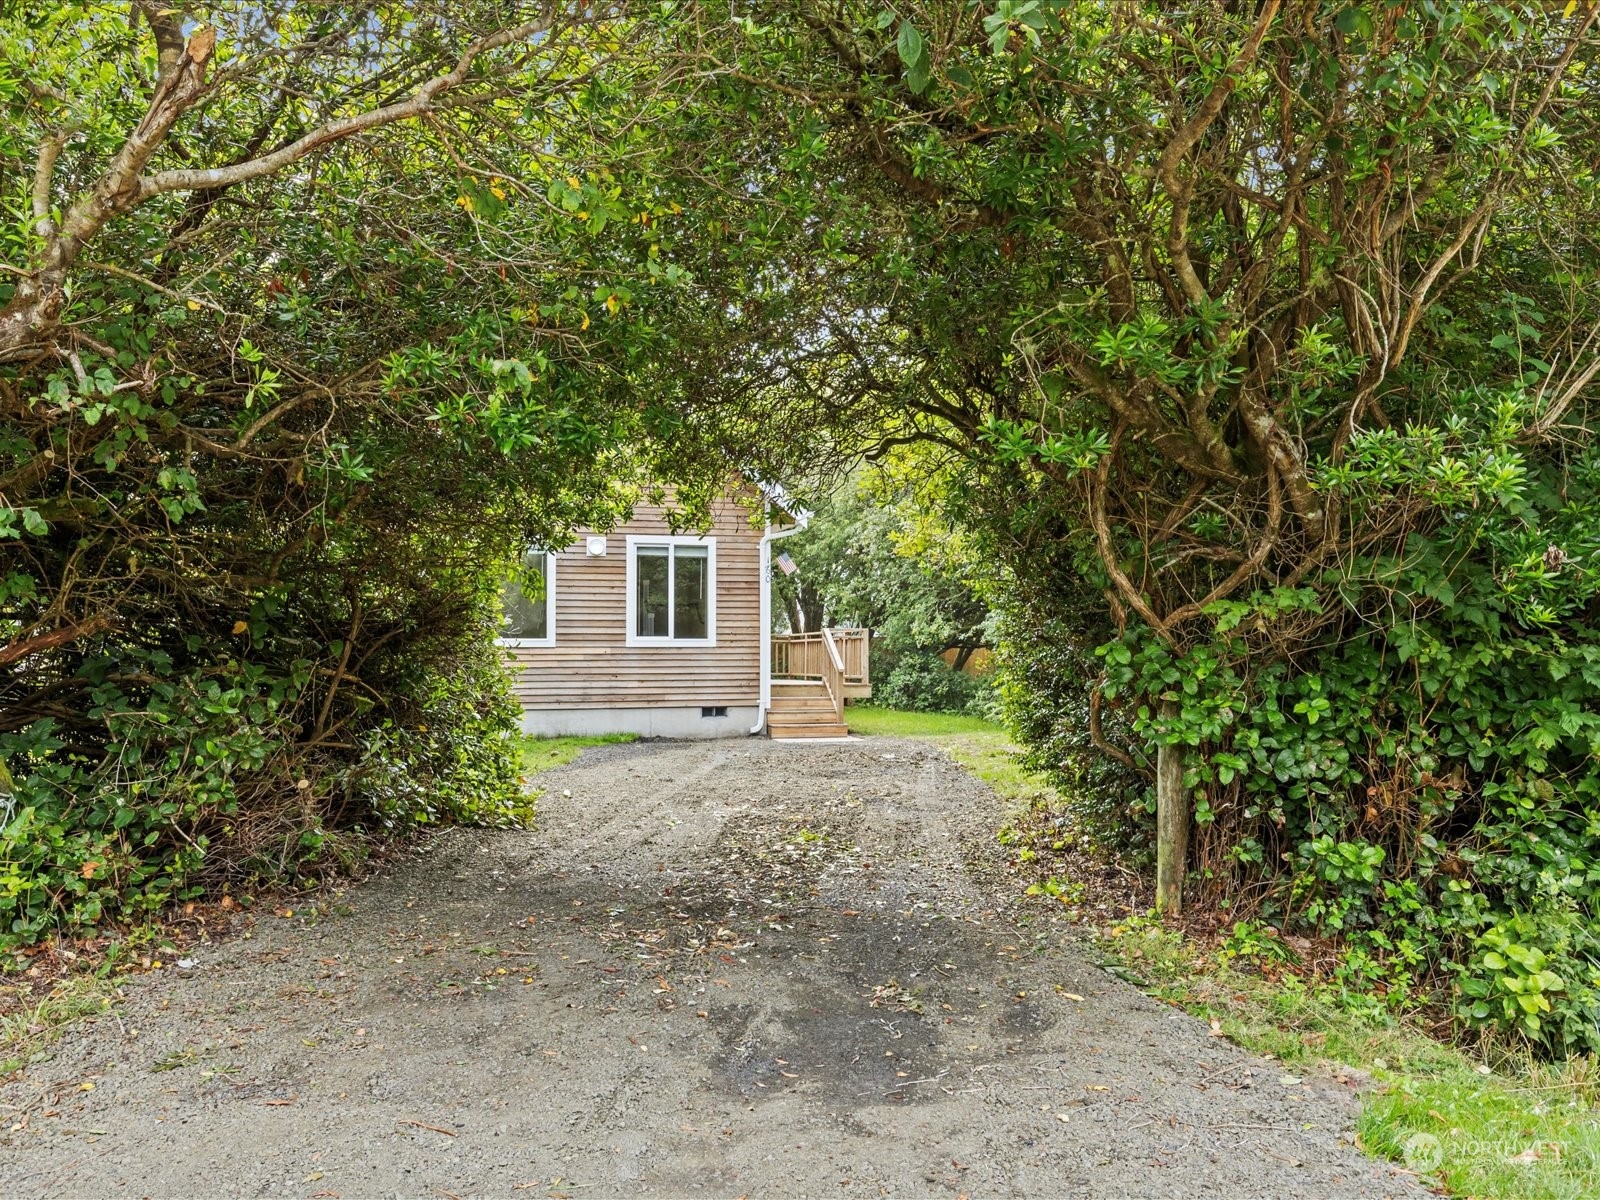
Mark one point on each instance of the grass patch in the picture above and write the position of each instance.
(545, 754)
(871, 721)
(27, 1029)
(1525, 1132)
(981, 746)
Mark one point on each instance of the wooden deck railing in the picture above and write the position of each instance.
(854, 648)
(815, 656)
(833, 672)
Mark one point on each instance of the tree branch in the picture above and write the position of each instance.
(420, 102)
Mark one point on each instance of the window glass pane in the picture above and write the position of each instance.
(691, 589)
(650, 598)
(526, 609)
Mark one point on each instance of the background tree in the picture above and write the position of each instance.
(863, 561)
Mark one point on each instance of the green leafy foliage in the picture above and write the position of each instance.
(862, 560)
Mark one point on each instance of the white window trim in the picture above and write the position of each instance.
(643, 539)
(549, 638)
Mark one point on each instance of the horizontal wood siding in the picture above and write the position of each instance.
(591, 666)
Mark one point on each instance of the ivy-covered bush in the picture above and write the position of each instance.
(210, 786)
(1422, 779)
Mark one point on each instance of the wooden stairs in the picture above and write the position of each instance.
(813, 674)
(802, 708)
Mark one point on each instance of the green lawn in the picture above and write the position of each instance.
(870, 721)
(981, 746)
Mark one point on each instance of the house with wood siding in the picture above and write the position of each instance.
(643, 630)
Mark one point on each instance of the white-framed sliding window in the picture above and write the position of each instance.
(528, 604)
(672, 591)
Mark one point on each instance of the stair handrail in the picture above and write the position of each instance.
(833, 673)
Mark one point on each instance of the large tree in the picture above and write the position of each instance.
(1166, 277)
(310, 321)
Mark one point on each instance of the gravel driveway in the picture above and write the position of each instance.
(741, 968)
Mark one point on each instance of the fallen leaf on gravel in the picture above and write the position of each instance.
(326, 1196)
(1063, 1118)
(313, 1177)
(277, 1103)
(1216, 1028)
(1097, 1087)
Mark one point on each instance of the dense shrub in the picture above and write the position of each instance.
(921, 681)
(211, 786)
(1427, 789)
(1045, 679)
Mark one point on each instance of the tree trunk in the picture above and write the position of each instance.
(1172, 822)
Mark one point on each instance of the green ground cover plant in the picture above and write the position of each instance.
(1519, 1129)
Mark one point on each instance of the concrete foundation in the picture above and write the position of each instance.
(734, 721)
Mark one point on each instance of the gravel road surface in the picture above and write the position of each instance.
(728, 969)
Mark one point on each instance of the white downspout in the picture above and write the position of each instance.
(764, 701)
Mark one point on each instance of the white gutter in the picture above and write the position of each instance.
(771, 535)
